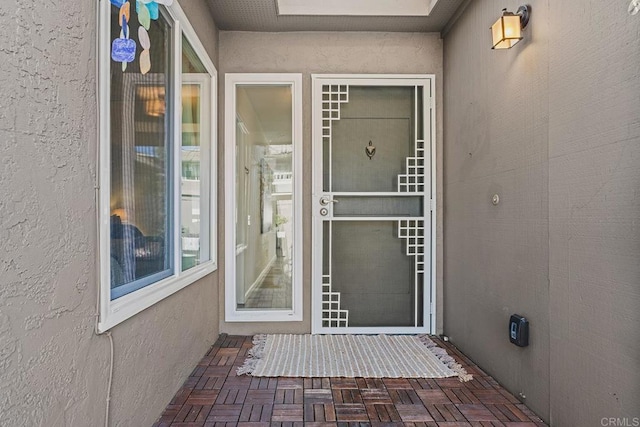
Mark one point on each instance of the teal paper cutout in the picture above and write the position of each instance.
(144, 17)
(152, 7)
(154, 13)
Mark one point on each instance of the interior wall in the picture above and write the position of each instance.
(324, 53)
(53, 368)
(551, 126)
(260, 252)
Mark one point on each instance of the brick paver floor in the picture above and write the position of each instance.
(215, 396)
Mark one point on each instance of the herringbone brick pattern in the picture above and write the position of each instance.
(215, 396)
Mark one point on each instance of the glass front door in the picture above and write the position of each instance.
(372, 205)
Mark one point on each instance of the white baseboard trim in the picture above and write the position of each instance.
(260, 278)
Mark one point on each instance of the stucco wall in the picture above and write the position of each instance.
(552, 127)
(53, 368)
(325, 53)
(594, 211)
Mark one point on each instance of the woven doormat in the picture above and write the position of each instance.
(368, 356)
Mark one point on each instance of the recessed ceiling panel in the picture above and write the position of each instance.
(356, 7)
(262, 15)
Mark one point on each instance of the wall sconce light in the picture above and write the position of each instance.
(507, 31)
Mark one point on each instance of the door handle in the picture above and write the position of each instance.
(324, 201)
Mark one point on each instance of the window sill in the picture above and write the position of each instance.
(117, 311)
(263, 316)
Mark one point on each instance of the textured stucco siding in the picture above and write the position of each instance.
(327, 53)
(496, 257)
(53, 368)
(553, 127)
(594, 212)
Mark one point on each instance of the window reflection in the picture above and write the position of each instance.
(195, 154)
(140, 164)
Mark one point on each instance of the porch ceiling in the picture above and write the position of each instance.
(261, 15)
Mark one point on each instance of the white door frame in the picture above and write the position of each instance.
(232, 314)
(427, 81)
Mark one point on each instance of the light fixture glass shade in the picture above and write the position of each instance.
(507, 31)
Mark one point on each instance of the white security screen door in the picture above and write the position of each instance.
(373, 204)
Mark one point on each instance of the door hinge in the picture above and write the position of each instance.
(432, 204)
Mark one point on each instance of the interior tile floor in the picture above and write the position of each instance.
(275, 289)
(215, 396)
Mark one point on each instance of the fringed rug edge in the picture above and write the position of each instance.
(445, 358)
(254, 355)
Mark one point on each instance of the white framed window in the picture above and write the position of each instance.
(157, 201)
(263, 167)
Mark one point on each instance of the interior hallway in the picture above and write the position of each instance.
(275, 289)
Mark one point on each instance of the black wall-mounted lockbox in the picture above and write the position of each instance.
(519, 330)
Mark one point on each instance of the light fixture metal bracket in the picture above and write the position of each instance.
(524, 12)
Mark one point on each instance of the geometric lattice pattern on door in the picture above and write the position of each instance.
(413, 180)
(413, 232)
(333, 96)
(332, 315)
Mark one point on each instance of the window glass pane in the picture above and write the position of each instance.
(140, 161)
(264, 197)
(195, 157)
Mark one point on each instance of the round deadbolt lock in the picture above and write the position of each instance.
(324, 211)
(495, 199)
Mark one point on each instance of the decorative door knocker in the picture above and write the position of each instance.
(370, 150)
